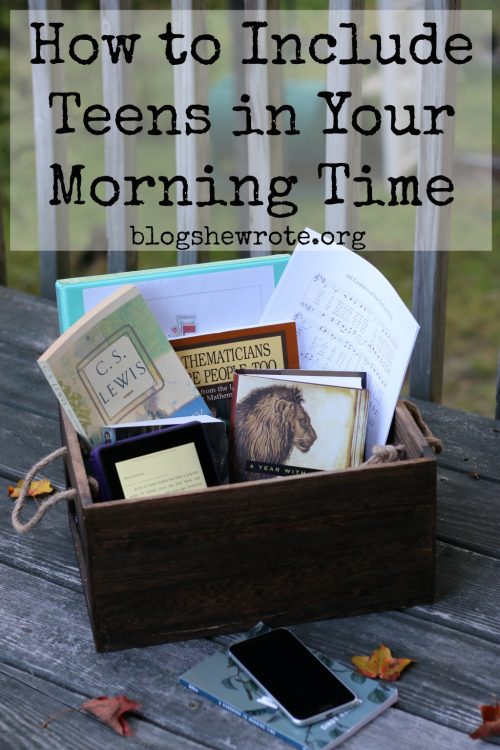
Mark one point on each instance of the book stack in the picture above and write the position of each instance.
(306, 381)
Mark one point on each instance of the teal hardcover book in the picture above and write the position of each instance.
(185, 299)
(220, 680)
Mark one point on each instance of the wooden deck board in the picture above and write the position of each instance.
(471, 443)
(453, 673)
(468, 512)
(65, 656)
(30, 700)
(24, 439)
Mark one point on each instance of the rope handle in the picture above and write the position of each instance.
(432, 441)
(385, 454)
(46, 504)
(380, 454)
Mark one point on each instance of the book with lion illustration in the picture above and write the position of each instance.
(286, 427)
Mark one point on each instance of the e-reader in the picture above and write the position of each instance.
(175, 459)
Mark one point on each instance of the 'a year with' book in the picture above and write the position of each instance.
(288, 427)
(116, 362)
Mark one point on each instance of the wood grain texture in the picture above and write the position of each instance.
(470, 443)
(30, 700)
(26, 320)
(24, 439)
(45, 553)
(54, 642)
(32, 393)
(406, 432)
(66, 658)
(468, 512)
(466, 579)
(396, 728)
(454, 671)
(220, 559)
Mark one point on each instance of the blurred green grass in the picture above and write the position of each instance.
(473, 307)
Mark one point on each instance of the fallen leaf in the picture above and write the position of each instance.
(37, 487)
(491, 722)
(473, 474)
(381, 664)
(111, 710)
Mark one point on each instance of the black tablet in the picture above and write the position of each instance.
(175, 459)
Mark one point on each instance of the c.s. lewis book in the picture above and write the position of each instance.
(220, 680)
(211, 358)
(116, 362)
(215, 430)
(283, 428)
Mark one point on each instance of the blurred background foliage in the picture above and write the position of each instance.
(473, 310)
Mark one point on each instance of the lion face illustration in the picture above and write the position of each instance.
(304, 434)
(269, 423)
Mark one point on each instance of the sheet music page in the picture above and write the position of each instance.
(348, 317)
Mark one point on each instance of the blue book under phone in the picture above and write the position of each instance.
(188, 299)
(220, 680)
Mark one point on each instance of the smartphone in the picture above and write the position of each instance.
(303, 687)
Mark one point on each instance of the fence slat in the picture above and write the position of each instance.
(344, 148)
(3, 248)
(258, 146)
(186, 149)
(52, 220)
(433, 228)
(118, 148)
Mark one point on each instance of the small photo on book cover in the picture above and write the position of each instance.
(283, 428)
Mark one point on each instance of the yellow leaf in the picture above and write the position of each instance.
(381, 664)
(37, 487)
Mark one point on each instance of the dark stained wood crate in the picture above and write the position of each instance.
(316, 546)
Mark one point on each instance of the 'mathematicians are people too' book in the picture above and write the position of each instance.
(211, 358)
(286, 427)
(116, 364)
(220, 680)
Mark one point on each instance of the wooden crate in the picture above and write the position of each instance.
(316, 546)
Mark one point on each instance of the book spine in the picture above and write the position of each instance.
(45, 368)
(243, 715)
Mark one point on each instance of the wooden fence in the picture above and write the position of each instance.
(432, 222)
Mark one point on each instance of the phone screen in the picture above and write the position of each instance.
(303, 686)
